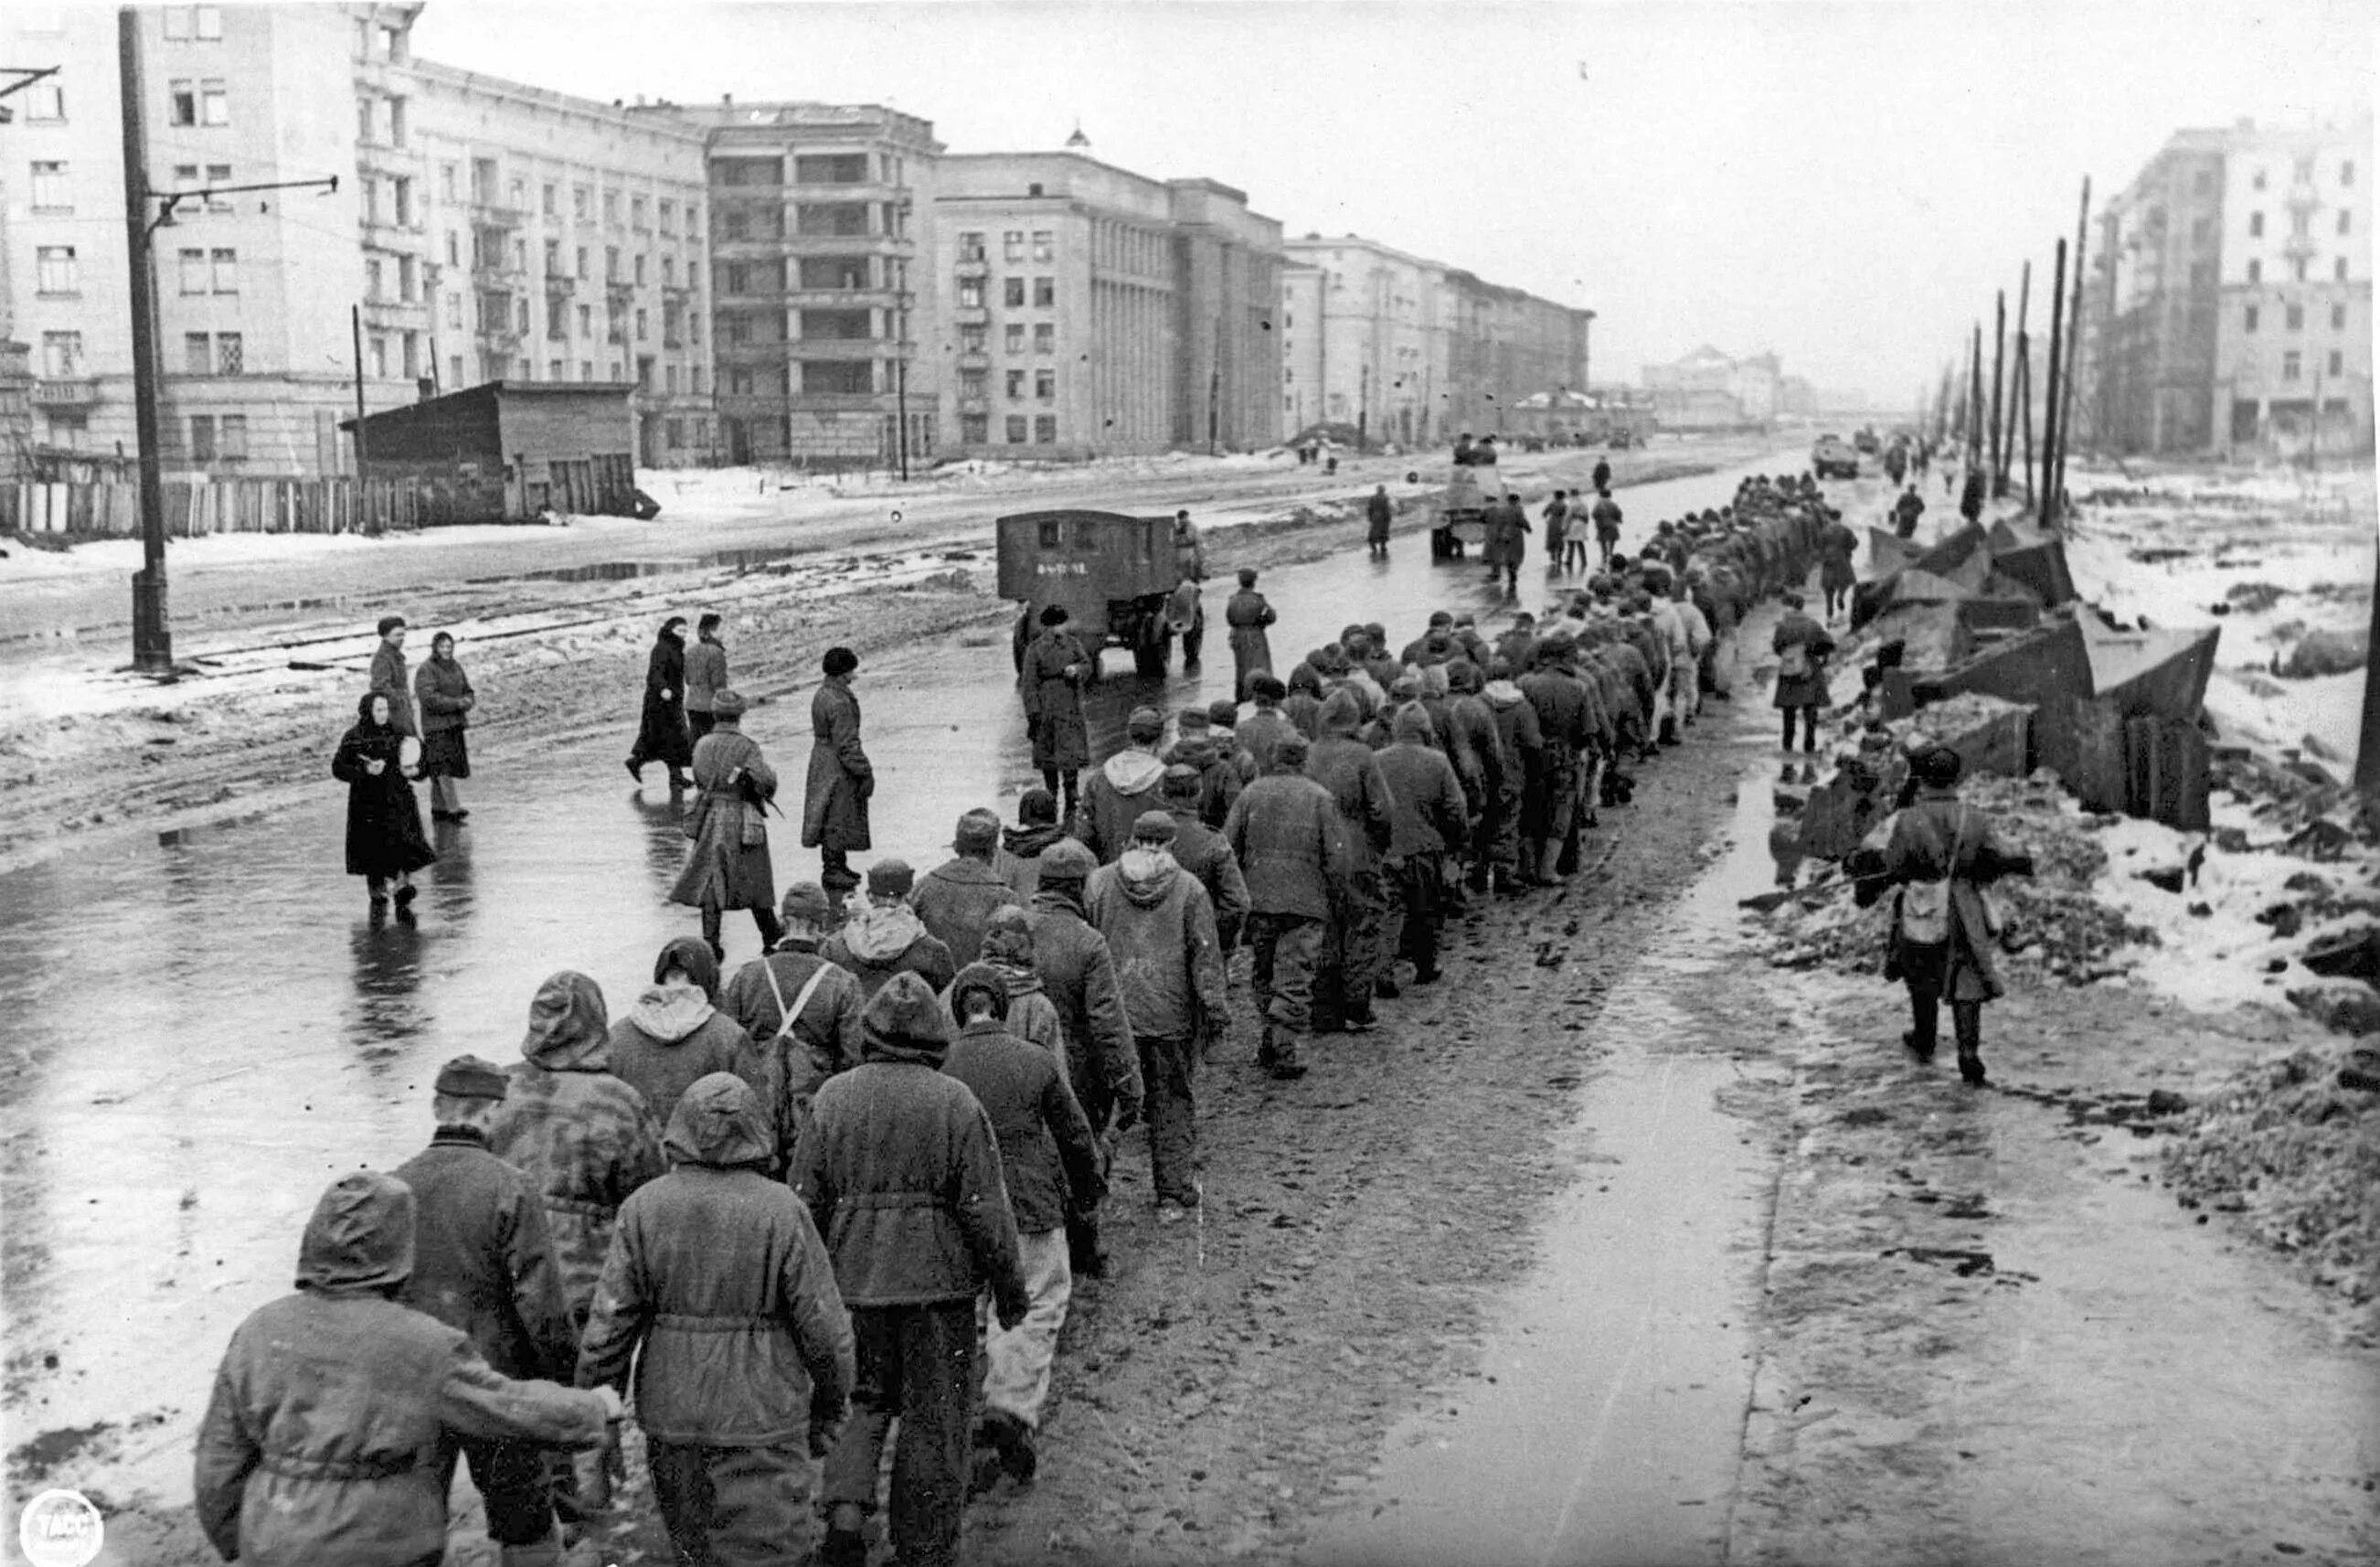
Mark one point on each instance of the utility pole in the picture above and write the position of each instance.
(1999, 349)
(1362, 405)
(2045, 504)
(1976, 399)
(2020, 405)
(2074, 356)
(2367, 752)
(363, 474)
(1215, 392)
(152, 640)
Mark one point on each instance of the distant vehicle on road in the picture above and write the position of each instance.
(1462, 513)
(1865, 442)
(1834, 457)
(1115, 575)
(1624, 438)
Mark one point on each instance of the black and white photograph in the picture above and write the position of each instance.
(1537, 783)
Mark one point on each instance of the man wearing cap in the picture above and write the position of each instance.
(1160, 927)
(1048, 1161)
(1124, 786)
(1267, 725)
(331, 1432)
(1200, 850)
(728, 866)
(388, 676)
(1219, 780)
(884, 936)
(956, 899)
(834, 796)
(1021, 847)
(1348, 770)
(483, 1264)
(1079, 973)
(800, 1012)
(720, 1295)
(1050, 676)
(901, 1169)
(1247, 614)
(1286, 836)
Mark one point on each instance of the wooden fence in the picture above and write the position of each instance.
(109, 508)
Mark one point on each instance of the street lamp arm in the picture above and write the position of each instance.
(168, 201)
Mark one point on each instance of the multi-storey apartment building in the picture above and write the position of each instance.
(1093, 310)
(555, 239)
(485, 230)
(818, 300)
(2229, 305)
(1413, 350)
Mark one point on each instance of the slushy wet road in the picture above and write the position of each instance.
(211, 1028)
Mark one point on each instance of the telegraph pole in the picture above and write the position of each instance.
(152, 640)
(363, 488)
(2020, 392)
(2046, 503)
(2073, 354)
(1999, 349)
(1976, 399)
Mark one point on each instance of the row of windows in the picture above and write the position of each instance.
(1012, 293)
(2298, 270)
(2300, 223)
(2294, 317)
(832, 377)
(973, 335)
(197, 101)
(1012, 245)
(975, 430)
(218, 436)
(216, 354)
(2302, 171)
(584, 200)
(201, 23)
(976, 384)
(2292, 365)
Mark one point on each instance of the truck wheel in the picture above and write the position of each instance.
(1148, 657)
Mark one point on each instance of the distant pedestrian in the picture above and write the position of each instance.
(447, 697)
(1971, 498)
(901, 1169)
(1802, 648)
(719, 1295)
(1940, 853)
(1050, 680)
(957, 898)
(1048, 1162)
(1159, 926)
(834, 800)
(1246, 616)
(1601, 479)
(728, 864)
(884, 936)
(660, 732)
(385, 843)
(1557, 520)
(482, 1263)
(706, 674)
(1286, 835)
(388, 676)
(1837, 576)
(584, 1138)
(1607, 517)
(1379, 515)
(337, 1412)
(1906, 511)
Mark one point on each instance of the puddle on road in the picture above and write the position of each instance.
(201, 1033)
(1606, 1423)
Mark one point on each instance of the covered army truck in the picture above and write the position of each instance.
(1117, 576)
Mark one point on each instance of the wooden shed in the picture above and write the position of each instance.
(504, 451)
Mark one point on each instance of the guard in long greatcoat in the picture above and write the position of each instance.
(1247, 614)
(834, 800)
(730, 866)
(1056, 669)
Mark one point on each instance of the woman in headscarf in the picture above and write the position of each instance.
(445, 695)
(730, 866)
(385, 843)
(662, 736)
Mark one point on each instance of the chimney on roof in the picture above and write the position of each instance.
(1078, 142)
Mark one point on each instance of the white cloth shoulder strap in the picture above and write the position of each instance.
(787, 1014)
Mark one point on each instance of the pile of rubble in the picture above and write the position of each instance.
(2296, 1155)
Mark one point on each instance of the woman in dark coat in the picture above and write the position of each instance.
(385, 838)
(729, 867)
(834, 798)
(1056, 668)
(1943, 952)
(443, 694)
(662, 736)
(1802, 647)
(1837, 545)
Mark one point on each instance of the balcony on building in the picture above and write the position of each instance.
(838, 347)
(494, 214)
(2297, 246)
(973, 263)
(977, 404)
(560, 285)
(975, 359)
(971, 315)
(71, 391)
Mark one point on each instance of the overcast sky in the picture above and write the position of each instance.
(1844, 185)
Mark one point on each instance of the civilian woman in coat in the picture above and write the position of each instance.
(1056, 669)
(730, 867)
(662, 736)
(443, 693)
(1941, 852)
(834, 799)
(386, 841)
(1802, 647)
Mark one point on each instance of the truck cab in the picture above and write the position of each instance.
(1115, 575)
